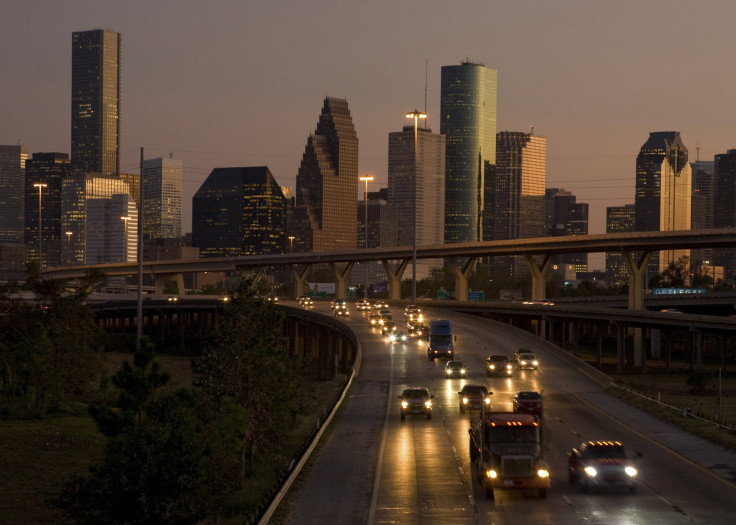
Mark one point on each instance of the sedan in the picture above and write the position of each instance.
(527, 361)
(455, 369)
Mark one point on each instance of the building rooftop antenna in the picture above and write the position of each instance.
(697, 151)
(426, 62)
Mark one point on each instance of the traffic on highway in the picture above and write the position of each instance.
(452, 432)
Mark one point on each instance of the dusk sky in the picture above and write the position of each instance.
(241, 83)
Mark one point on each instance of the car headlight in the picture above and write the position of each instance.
(465, 401)
(448, 371)
(543, 473)
(590, 471)
(428, 404)
(535, 363)
(492, 367)
(462, 371)
(523, 362)
(508, 367)
(404, 404)
(631, 471)
(491, 474)
(487, 401)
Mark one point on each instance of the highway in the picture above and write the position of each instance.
(374, 468)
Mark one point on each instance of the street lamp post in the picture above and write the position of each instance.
(416, 115)
(291, 274)
(366, 179)
(40, 186)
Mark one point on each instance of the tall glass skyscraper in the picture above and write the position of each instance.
(422, 189)
(96, 102)
(161, 199)
(325, 215)
(468, 120)
(663, 191)
(521, 172)
(12, 175)
(619, 219)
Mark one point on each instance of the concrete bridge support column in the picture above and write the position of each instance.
(461, 276)
(162, 278)
(620, 348)
(300, 279)
(340, 278)
(394, 278)
(698, 349)
(637, 286)
(539, 275)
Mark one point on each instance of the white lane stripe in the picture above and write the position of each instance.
(384, 432)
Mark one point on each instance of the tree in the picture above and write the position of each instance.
(675, 275)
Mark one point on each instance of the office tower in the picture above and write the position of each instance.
(76, 191)
(419, 191)
(724, 208)
(48, 170)
(564, 216)
(161, 199)
(133, 180)
(619, 219)
(325, 211)
(239, 211)
(663, 191)
(113, 232)
(702, 206)
(96, 102)
(382, 232)
(521, 172)
(468, 120)
(12, 174)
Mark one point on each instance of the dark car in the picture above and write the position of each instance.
(388, 327)
(474, 397)
(602, 464)
(374, 320)
(498, 364)
(528, 402)
(416, 401)
(455, 369)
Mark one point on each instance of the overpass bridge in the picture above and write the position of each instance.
(636, 247)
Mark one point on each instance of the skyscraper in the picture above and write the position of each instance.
(422, 189)
(325, 212)
(701, 217)
(49, 169)
(468, 120)
(565, 216)
(161, 199)
(12, 174)
(663, 191)
(619, 219)
(239, 211)
(724, 208)
(96, 102)
(521, 172)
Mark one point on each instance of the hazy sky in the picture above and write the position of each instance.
(241, 83)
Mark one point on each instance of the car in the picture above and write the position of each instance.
(374, 320)
(455, 369)
(528, 402)
(416, 400)
(388, 327)
(522, 350)
(271, 298)
(602, 464)
(308, 302)
(474, 397)
(342, 312)
(385, 316)
(418, 330)
(300, 298)
(338, 303)
(527, 361)
(498, 364)
(380, 305)
(397, 337)
(363, 304)
(413, 314)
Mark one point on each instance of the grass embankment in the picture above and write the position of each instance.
(670, 387)
(38, 456)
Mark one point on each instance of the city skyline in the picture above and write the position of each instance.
(587, 76)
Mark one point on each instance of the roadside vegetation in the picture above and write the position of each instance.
(135, 445)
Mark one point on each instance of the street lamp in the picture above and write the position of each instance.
(40, 186)
(416, 115)
(291, 273)
(291, 243)
(366, 179)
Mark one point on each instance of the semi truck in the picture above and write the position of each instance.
(508, 450)
(440, 339)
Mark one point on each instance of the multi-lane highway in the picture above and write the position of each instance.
(375, 468)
